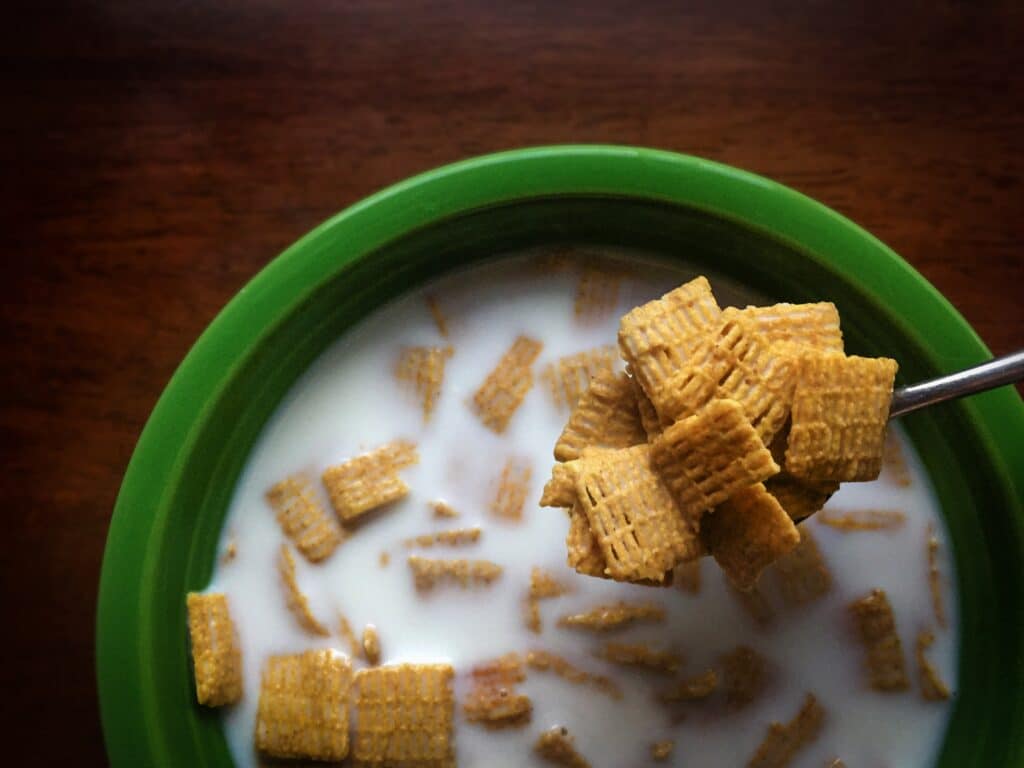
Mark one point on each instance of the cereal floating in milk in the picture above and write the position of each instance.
(493, 700)
(298, 604)
(693, 688)
(557, 746)
(303, 518)
(545, 661)
(216, 657)
(513, 486)
(371, 645)
(745, 676)
(569, 377)
(662, 750)
(429, 573)
(604, 618)
(640, 655)
(935, 577)
(783, 741)
(597, 291)
(438, 315)
(803, 574)
(506, 386)
(443, 509)
(876, 627)
(370, 480)
(862, 519)
(422, 370)
(456, 537)
(932, 686)
(543, 586)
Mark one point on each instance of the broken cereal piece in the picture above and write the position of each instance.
(935, 577)
(543, 586)
(545, 661)
(754, 604)
(876, 627)
(662, 750)
(439, 319)
(863, 519)
(557, 746)
(640, 655)
(783, 741)
(894, 462)
(604, 618)
(429, 573)
(597, 291)
(606, 416)
(506, 386)
(570, 376)
(443, 509)
(370, 480)
(303, 709)
(706, 458)
(560, 490)
(584, 554)
(355, 647)
(371, 645)
(511, 496)
(404, 716)
(810, 326)
(687, 576)
(746, 675)
(799, 499)
(932, 686)
(803, 574)
(303, 519)
(493, 700)
(456, 537)
(840, 410)
(690, 688)
(216, 657)
(298, 604)
(748, 532)
(422, 370)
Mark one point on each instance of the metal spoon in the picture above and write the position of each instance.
(1007, 369)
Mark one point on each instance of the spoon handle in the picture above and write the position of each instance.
(1007, 369)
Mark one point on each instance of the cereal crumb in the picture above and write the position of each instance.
(640, 655)
(690, 688)
(384, 559)
(230, 552)
(355, 648)
(456, 537)
(298, 604)
(932, 686)
(439, 319)
(662, 750)
(557, 746)
(443, 509)
(935, 577)
(783, 741)
(371, 645)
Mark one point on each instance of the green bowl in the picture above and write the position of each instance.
(176, 491)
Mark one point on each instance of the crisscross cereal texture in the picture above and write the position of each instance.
(493, 700)
(800, 499)
(597, 291)
(692, 688)
(876, 627)
(303, 518)
(216, 657)
(606, 416)
(784, 741)
(560, 490)
(505, 387)
(584, 554)
(370, 480)
(422, 369)
(810, 326)
(513, 486)
(429, 573)
(569, 377)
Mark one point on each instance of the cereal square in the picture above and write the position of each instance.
(216, 657)
(506, 386)
(811, 326)
(303, 518)
(876, 627)
(370, 480)
(606, 416)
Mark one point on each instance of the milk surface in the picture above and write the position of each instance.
(348, 402)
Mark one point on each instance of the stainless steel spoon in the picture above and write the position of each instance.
(1007, 369)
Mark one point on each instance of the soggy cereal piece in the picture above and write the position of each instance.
(754, 604)
(439, 319)
(708, 457)
(506, 386)
(371, 645)
(303, 518)
(800, 499)
(863, 519)
(687, 576)
(570, 376)
(543, 586)
(606, 416)
(422, 370)
(932, 686)
(560, 490)
(693, 688)
(298, 604)
(216, 657)
(745, 674)
(584, 554)
(355, 646)
(876, 627)
(632, 515)
(456, 537)
(493, 700)
(894, 462)
(803, 574)
(303, 709)
(604, 618)
(597, 292)
(429, 573)
(935, 577)
(557, 746)
(443, 510)
(811, 326)
(662, 750)
(640, 655)
(404, 716)
(545, 661)
(511, 496)
(783, 741)
(840, 409)
(370, 480)
(748, 532)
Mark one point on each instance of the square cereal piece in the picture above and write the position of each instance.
(404, 716)
(691, 387)
(493, 700)
(632, 515)
(557, 746)
(606, 416)
(303, 518)
(746, 676)
(570, 376)
(216, 657)
(876, 628)
(597, 291)
(657, 338)
(748, 532)
(649, 418)
(840, 410)
(584, 554)
(803, 574)
(370, 480)
(422, 370)
(783, 741)
(811, 326)
(506, 386)
(512, 489)
(303, 706)
(800, 499)
(708, 457)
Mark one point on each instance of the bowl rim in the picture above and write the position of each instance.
(287, 281)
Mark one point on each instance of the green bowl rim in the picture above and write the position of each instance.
(571, 170)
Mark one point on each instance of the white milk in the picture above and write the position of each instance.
(348, 401)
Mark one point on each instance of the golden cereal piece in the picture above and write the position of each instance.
(370, 480)
(443, 510)
(604, 618)
(649, 419)
(800, 499)
(404, 716)
(662, 750)
(584, 554)
(216, 657)
(456, 537)
(493, 700)
(429, 573)
(687, 576)
(863, 519)
(303, 519)
(506, 386)
(570, 376)
(935, 577)
(693, 688)
(632, 515)
(606, 416)
(545, 661)
(748, 532)
(840, 409)
(894, 462)
(512, 489)
(706, 458)
(803, 574)
(745, 674)
(371, 645)
(691, 387)
(783, 741)
(557, 746)
(932, 686)
(640, 655)
(439, 319)
(755, 604)
(304, 706)
(560, 490)
(298, 604)
(543, 586)
(597, 292)
(422, 370)
(657, 338)
(355, 646)
(811, 326)
(876, 627)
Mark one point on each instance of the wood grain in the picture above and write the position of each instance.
(155, 155)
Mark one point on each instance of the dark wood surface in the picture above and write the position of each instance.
(155, 155)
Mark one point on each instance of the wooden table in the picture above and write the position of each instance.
(155, 155)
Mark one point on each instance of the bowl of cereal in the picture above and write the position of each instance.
(330, 543)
